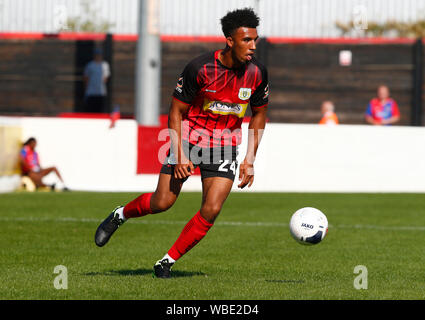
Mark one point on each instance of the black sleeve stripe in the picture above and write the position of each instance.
(260, 97)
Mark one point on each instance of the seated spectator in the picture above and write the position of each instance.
(328, 113)
(30, 165)
(382, 110)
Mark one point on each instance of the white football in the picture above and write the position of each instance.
(308, 225)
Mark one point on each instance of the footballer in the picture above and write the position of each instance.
(207, 109)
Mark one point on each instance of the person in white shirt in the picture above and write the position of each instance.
(96, 74)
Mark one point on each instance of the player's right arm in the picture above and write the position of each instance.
(188, 86)
(25, 166)
(184, 167)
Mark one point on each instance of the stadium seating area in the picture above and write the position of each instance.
(43, 75)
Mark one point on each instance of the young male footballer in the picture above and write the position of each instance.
(205, 117)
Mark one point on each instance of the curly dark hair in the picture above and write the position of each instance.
(239, 18)
(32, 139)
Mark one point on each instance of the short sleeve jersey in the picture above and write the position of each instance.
(30, 159)
(218, 98)
(329, 118)
(96, 73)
(380, 111)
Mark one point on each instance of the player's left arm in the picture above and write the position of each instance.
(255, 133)
(258, 101)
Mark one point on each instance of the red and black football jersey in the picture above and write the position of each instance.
(218, 98)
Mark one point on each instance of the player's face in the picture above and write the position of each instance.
(243, 44)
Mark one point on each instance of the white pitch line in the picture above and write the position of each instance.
(375, 227)
(220, 223)
(70, 219)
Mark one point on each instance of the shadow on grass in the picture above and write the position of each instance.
(286, 281)
(142, 272)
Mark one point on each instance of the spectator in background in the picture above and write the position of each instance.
(382, 110)
(30, 165)
(328, 113)
(96, 74)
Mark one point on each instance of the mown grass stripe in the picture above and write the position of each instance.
(221, 223)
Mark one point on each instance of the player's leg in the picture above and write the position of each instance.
(215, 192)
(37, 178)
(166, 193)
(46, 171)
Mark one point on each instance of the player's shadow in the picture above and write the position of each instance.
(142, 272)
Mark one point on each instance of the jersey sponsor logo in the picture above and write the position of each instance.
(225, 108)
(179, 85)
(244, 93)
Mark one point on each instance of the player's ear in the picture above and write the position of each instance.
(229, 41)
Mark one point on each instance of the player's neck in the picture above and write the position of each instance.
(226, 59)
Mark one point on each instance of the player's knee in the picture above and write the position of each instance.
(161, 206)
(210, 211)
(161, 203)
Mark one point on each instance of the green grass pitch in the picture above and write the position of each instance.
(248, 254)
